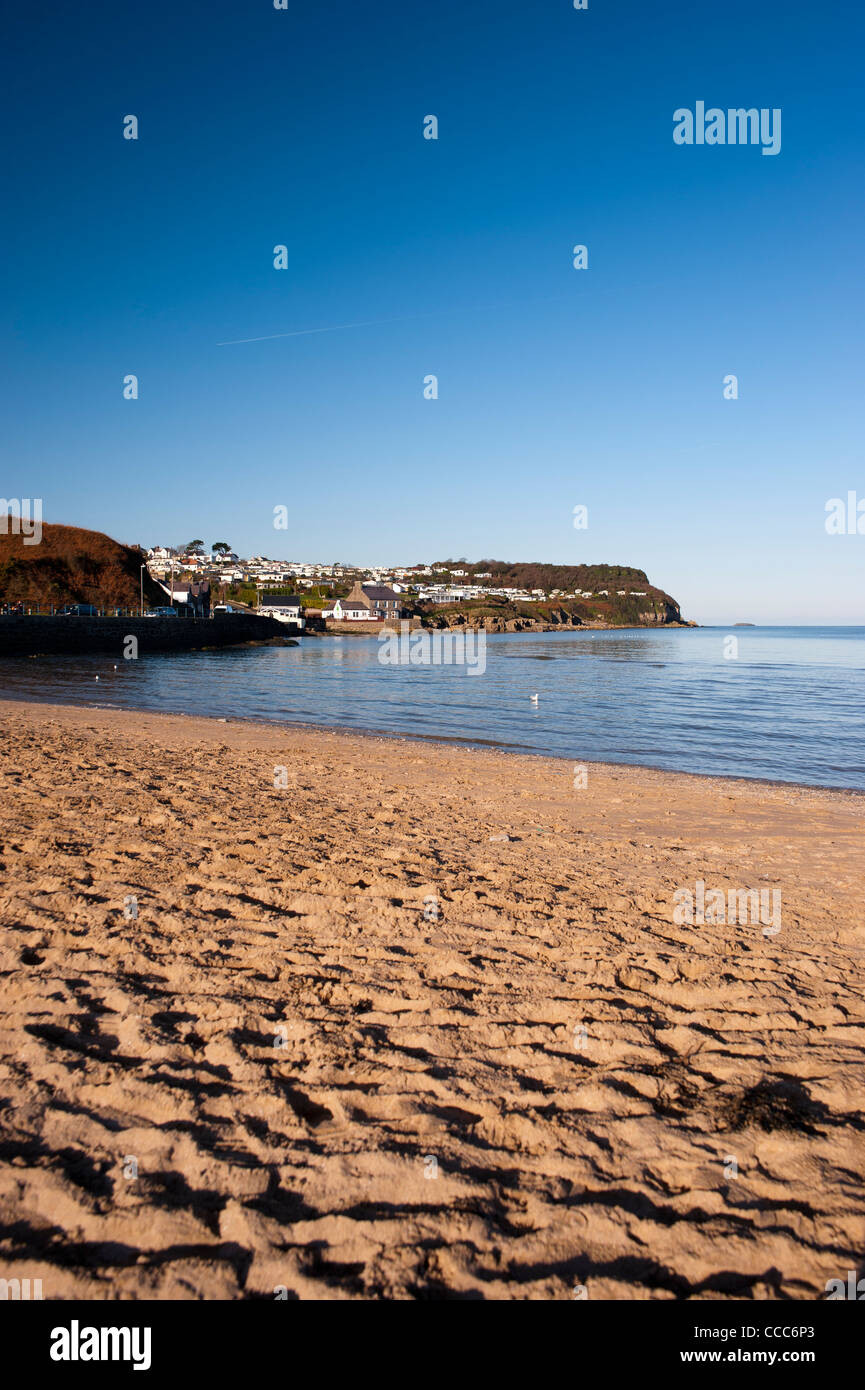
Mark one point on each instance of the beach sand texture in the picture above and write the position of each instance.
(354, 1045)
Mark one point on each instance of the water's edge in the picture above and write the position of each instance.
(480, 747)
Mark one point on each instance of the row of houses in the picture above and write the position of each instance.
(365, 603)
(377, 602)
(456, 593)
(379, 597)
(231, 569)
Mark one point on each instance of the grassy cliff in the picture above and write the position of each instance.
(71, 565)
(630, 600)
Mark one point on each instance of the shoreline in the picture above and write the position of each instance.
(435, 741)
(524, 629)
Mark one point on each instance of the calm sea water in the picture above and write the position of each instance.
(791, 707)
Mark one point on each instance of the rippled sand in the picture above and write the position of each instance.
(355, 1043)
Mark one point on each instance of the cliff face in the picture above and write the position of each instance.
(667, 611)
(72, 565)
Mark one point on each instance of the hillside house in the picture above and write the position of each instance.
(286, 608)
(348, 610)
(383, 601)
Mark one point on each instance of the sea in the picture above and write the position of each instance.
(784, 704)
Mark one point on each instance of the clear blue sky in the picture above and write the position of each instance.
(556, 386)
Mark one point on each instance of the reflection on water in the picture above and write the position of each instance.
(791, 707)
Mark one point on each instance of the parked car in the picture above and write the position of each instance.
(79, 610)
(161, 613)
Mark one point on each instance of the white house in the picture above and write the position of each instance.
(286, 608)
(348, 610)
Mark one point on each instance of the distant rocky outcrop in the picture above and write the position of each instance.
(73, 565)
(655, 609)
(604, 596)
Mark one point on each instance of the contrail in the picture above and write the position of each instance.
(334, 328)
(366, 323)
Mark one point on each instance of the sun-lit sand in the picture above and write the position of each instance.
(342, 1038)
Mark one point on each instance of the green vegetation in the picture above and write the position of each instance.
(615, 610)
(535, 574)
(623, 610)
(320, 595)
(239, 593)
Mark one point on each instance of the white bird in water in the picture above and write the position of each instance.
(534, 699)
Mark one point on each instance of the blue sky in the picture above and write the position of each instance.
(557, 387)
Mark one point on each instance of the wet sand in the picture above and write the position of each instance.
(340, 1038)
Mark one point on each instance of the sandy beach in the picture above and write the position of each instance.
(353, 1017)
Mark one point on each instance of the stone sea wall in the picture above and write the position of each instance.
(36, 636)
